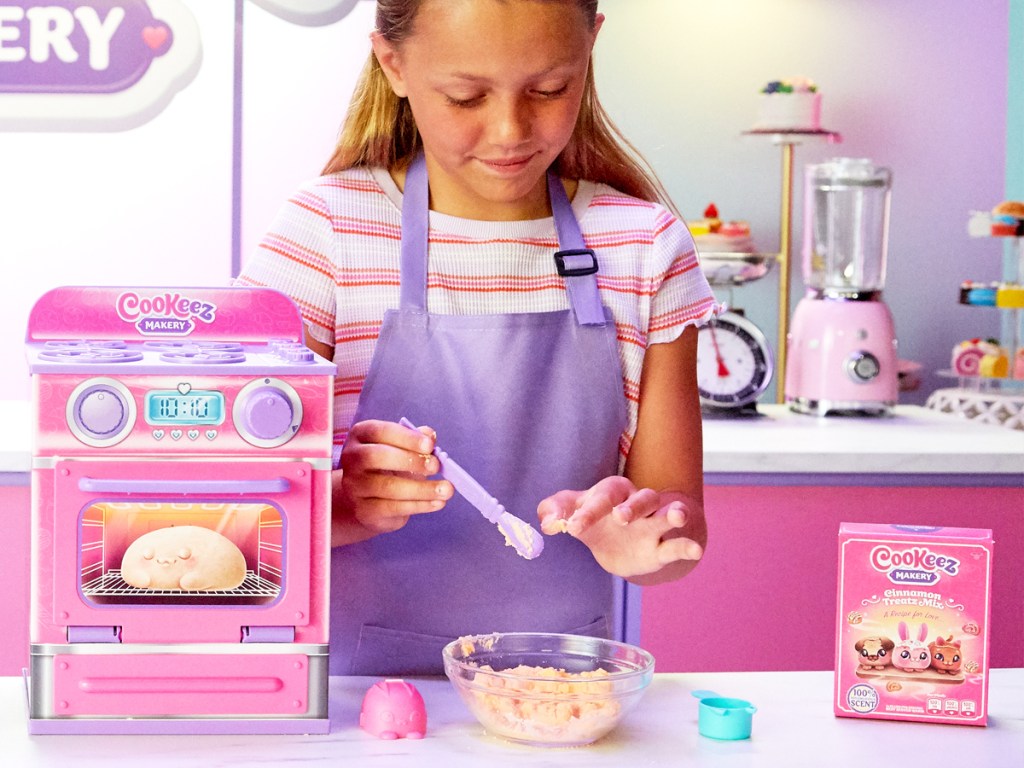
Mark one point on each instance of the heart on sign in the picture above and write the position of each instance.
(184, 388)
(155, 37)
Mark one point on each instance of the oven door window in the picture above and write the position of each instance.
(209, 552)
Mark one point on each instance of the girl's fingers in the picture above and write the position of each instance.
(643, 503)
(554, 511)
(400, 487)
(671, 550)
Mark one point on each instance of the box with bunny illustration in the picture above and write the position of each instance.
(912, 626)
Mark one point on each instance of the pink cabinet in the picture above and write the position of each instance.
(16, 514)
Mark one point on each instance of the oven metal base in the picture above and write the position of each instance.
(128, 726)
(274, 688)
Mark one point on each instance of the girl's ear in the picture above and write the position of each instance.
(598, 21)
(390, 60)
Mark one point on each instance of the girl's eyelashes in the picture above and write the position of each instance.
(473, 101)
(553, 93)
(470, 102)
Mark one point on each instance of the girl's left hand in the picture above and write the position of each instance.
(632, 532)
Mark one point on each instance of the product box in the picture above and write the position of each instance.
(912, 625)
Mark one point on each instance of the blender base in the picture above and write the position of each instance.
(838, 408)
(748, 411)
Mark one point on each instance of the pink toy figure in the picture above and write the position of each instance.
(183, 557)
(945, 655)
(875, 652)
(911, 655)
(393, 709)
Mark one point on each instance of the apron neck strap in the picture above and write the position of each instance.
(574, 261)
(415, 224)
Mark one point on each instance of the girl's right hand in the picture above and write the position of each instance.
(383, 480)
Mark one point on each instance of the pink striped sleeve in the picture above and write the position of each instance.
(296, 257)
(683, 296)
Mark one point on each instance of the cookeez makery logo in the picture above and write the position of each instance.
(913, 565)
(164, 314)
(92, 65)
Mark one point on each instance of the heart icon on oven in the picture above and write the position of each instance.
(158, 434)
(193, 434)
(175, 434)
(211, 433)
(184, 388)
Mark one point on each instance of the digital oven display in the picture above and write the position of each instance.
(195, 407)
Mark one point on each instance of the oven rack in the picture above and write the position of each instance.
(111, 584)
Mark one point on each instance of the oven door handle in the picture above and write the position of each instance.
(240, 487)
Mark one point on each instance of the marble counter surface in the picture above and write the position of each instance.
(793, 726)
(913, 440)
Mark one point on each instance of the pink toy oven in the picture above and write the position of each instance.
(912, 627)
(194, 417)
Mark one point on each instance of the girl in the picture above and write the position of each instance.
(439, 262)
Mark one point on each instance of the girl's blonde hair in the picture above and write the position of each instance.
(379, 128)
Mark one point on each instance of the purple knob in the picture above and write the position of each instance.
(268, 413)
(298, 354)
(101, 412)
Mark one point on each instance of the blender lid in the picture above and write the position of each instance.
(849, 172)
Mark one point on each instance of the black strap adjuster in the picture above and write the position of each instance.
(573, 262)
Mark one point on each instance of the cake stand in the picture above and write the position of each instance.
(787, 140)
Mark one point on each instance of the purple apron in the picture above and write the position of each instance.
(530, 404)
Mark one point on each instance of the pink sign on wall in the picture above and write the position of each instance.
(92, 64)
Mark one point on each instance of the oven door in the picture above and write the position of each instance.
(182, 550)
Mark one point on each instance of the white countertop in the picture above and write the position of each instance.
(914, 440)
(16, 436)
(793, 727)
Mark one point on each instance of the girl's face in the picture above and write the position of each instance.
(495, 88)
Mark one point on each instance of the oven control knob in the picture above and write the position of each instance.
(101, 412)
(267, 412)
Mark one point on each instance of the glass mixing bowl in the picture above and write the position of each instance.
(547, 689)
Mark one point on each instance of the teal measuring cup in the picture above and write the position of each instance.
(719, 717)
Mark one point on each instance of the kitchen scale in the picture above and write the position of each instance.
(734, 360)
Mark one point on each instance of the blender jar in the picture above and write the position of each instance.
(846, 226)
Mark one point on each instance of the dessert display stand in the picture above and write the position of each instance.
(989, 400)
(787, 140)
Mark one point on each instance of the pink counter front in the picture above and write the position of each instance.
(765, 596)
(777, 489)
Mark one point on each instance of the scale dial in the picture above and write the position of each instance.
(734, 362)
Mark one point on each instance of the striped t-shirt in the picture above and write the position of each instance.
(334, 249)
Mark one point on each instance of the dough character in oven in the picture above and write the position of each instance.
(483, 255)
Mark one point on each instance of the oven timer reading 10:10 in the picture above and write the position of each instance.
(196, 407)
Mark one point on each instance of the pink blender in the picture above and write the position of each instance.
(842, 342)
